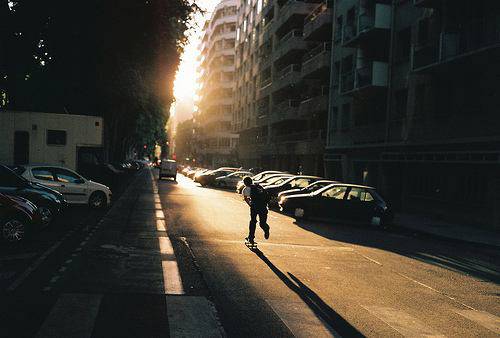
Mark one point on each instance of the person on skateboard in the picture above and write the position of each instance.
(257, 198)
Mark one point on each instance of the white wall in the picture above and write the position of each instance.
(80, 131)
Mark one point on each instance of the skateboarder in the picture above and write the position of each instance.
(257, 198)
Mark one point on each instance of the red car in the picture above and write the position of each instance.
(17, 217)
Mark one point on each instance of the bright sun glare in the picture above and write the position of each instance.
(185, 83)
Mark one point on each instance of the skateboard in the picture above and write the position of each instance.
(251, 246)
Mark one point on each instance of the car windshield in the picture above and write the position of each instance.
(10, 177)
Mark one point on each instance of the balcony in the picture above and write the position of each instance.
(297, 143)
(427, 3)
(316, 63)
(292, 45)
(373, 76)
(315, 104)
(372, 25)
(267, 31)
(474, 44)
(265, 87)
(285, 110)
(318, 24)
(292, 14)
(287, 77)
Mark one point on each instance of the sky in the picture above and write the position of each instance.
(185, 83)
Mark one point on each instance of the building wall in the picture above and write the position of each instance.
(81, 132)
(281, 95)
(429, 138)
(215, 110)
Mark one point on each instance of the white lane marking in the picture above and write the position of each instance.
(160, 225)
(158, 206)
(165, 246)
(370, 259)
(33, 267)
(485, 319)
(437, 291)
(402, 322)
(160, 214)
(73, 315)
(192, 316)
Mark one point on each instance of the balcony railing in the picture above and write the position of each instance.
(288, 70)
(374, 74)
(319, 22)
(370, 21)
(287, 108)
(473, 37)
(291, 8)
(320, 49)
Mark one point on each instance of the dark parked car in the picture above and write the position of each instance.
(48, 201)
(257, 178)
(340, 202)
(208, 178)
(18, 217)
(307, 190)
(293, 182)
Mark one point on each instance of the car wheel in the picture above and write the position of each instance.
(97, 200)
(46, 214)
(300, 213)
(14, 230)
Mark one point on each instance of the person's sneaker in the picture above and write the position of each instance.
(266, 233)
(249, 240)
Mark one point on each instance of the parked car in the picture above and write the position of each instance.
(48, 201)
(300, 181)
(258, 178)
(341, 202)
(306, 190)
(168, 168)
(274, 179)
(231, 180)
(208, 178)
(74, 187)
(18, 217)
(197, 173)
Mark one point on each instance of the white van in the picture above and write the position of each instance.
(168, 168)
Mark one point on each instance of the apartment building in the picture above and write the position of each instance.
(414, 104)
(215, 107)
(283, 51)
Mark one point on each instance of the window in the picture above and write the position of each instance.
(56, 137)
(335, 192)
(66, 176)
(44, 174)
(359, 194)
(300, 183)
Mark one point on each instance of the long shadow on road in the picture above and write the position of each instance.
(321, 309)
(461, 258)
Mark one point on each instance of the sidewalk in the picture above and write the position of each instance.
(466, 233)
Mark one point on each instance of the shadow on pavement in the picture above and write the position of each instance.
(337, 324)
(448, 255)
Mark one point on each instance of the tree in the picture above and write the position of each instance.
(115, 59)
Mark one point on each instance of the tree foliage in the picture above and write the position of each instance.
(115, 59)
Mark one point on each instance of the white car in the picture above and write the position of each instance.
(231, 180)
(75, 188)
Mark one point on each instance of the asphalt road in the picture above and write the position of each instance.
(168, 259)
(319, 279)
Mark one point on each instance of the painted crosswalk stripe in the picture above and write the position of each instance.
(192, 316)
(485, 319)
(73, 315)
(402, 322)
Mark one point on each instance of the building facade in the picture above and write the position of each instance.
(282, 63)
(414, 104)
(217, 141)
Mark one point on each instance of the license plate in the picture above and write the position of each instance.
(375, 220)
(299, 212)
